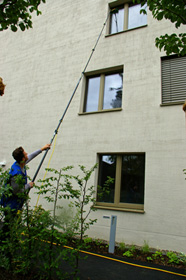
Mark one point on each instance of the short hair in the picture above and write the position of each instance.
(18, 154)
(2, 86)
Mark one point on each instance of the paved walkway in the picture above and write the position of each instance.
(99, 267)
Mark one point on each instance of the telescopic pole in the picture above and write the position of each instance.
(60, 121)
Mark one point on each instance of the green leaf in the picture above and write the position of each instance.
(160, 16)
(22, 26)
(13, 28)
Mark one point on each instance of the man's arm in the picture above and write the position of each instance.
(16, 184)
(18, 187)
(34, 154)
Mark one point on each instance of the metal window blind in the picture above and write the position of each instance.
(173, 79)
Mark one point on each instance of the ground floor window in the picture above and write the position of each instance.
(121, 181)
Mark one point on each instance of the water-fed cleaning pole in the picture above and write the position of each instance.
(60, 121)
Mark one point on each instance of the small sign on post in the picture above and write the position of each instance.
(112, 232)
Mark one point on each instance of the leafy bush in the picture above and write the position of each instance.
(122, 246)
(173, 258)
(37, 228)
(145, 248)
(128, 254)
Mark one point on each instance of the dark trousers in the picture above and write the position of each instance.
(9, 218)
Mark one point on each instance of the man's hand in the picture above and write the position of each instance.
(31, 184)
(46, 147)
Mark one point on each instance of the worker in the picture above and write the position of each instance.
(16, 189)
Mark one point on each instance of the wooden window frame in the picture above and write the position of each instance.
(102, 73)
(126, 5)
(117, 205)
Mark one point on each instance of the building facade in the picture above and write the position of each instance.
(126, 114)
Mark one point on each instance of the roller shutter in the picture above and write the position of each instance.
(173, 79)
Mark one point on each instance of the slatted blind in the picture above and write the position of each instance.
(173, 79)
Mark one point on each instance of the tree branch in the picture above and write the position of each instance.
(169, 10)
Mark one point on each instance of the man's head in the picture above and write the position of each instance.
(2, 87)
(20, 155)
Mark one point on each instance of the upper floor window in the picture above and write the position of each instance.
(173, 72)
(126, 16)
(103, 90)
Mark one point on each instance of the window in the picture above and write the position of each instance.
(173, 72)
(117, 20)
(121, 181)
(104, 90)
(126, 16)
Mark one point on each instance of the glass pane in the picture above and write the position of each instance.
(132, 180)
(136, 19)
(106, 188)
(92, 94)
(113, 91)
(117, 20)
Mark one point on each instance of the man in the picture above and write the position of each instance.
(2, 87)
(17, 188)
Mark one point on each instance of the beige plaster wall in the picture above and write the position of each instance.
(41, 68)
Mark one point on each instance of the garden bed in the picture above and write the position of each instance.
(132, 253)
(143, 254)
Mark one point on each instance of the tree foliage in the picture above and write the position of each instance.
(16, 14)
(175, 11)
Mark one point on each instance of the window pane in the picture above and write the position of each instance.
(92, 94)
(132, 180)
(113, 91)
(117, 21)
(136, 19)
(105, 192)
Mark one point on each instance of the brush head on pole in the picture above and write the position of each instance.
(114, 11)
(184, 107)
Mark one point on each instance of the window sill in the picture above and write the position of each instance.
(124, 31)
(102, 111)
(121, 209)
(172, 103)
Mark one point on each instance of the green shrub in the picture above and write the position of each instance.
(128, 254)
(173, 258)
(157, 255)
(145, 248)
(122, 246)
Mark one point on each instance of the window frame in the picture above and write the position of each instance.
(99, 73)
(126, 4)
(117, 205)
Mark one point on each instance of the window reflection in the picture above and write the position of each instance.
(132, 179)
(127, 17)
(92, 94)
(107, 169)
(136, 19)
(117, 20)
(123, 183)
(113, 91)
